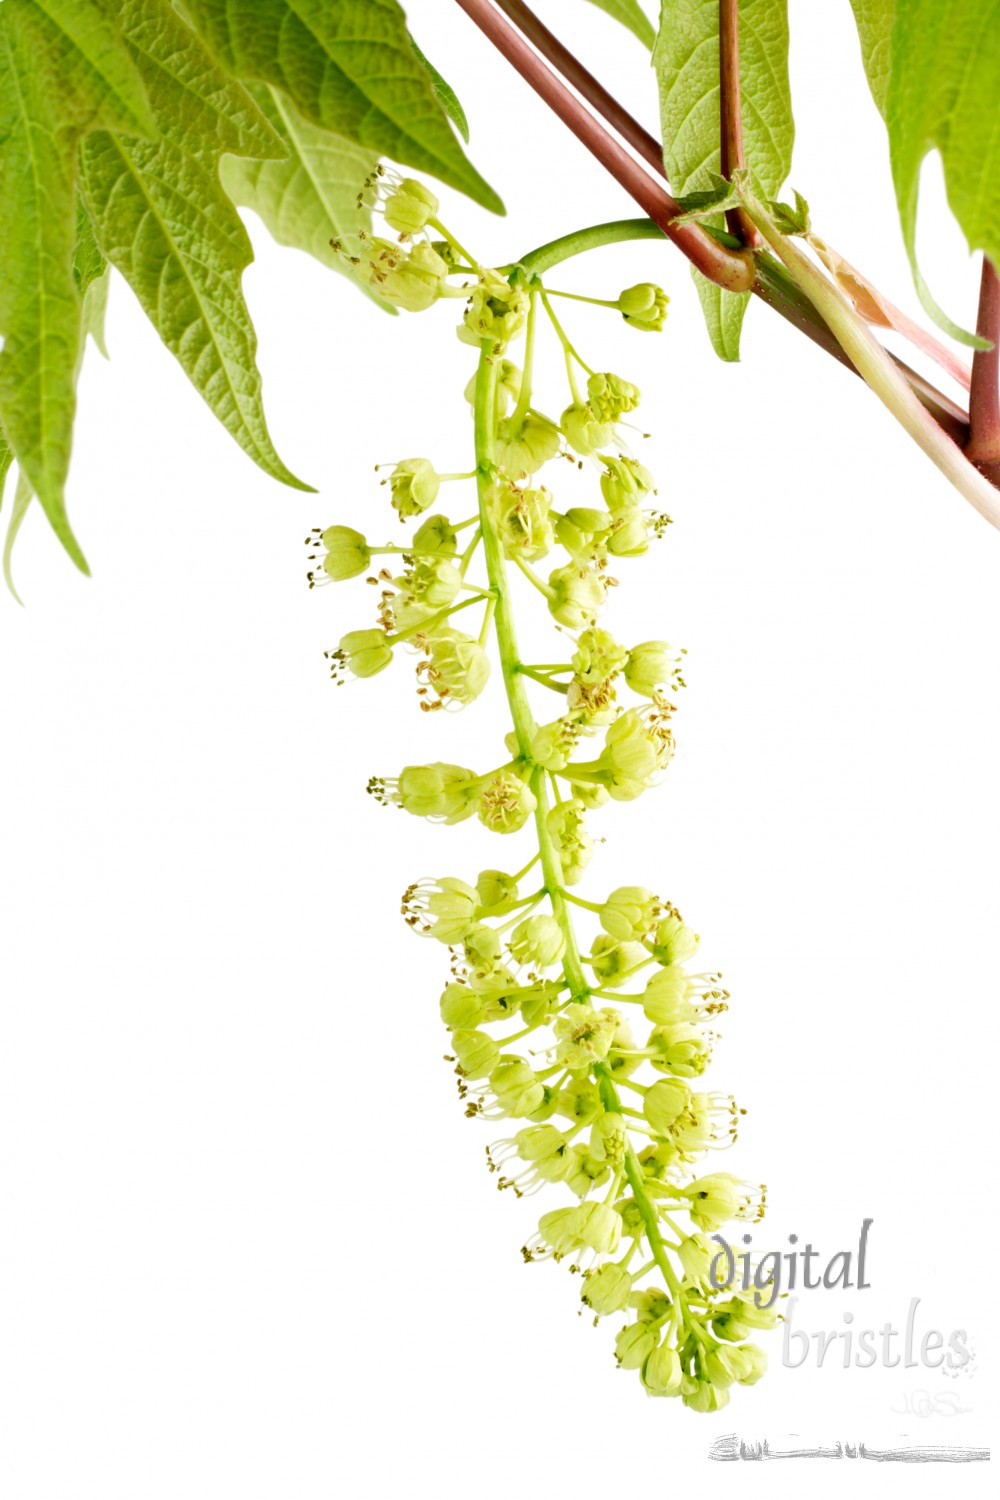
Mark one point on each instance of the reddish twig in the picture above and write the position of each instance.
(983, 447)
(731, 269)
(731, 114)
(581, 78)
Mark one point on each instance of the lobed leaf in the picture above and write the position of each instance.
(311, 196)
(686, 59)
(631, 14)
(64, 71)
(942, 90)
(164, 221)
(450, 101)
(350, 68)
(874, 20)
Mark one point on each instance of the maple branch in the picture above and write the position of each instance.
(771, 283)
(983, 447)
(731, 269)
(731, 115)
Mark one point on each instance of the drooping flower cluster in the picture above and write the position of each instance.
(596, 1052)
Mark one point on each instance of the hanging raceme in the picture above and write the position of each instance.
(592, 1043)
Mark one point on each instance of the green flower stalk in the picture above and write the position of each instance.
(593, 1043)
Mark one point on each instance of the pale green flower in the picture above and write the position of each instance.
(538, 940)
(607, 1289)
(583, 429)
(577, 595)
(644, 306)
(506, 802)
(409, 206)
(414, 484)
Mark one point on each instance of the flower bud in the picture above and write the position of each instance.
(365, 652)
(412, 279)
(644, 306)
(680, 1049)
(664, 1102)
(584, 430)
(607, 1289)
(650, 666)
(577, 595)
(665, 999)
(437, 791)
(613, 962)
(610, 397)
(461, 1009)
(436, 534)
(697, 1254)
(634, 1344)
(628, 913)
(608, 1140)
(409, 206)
(497, 311)
(347, 553)
(414, 484)
(525, 446)
(494, 889)
(661, 1372)
(702, 1395)
(475, 1051)
(506, 803)
(459, 667)
(725, 1364)
(754, 1366)
(538, 940)
(624, 483)
(517, 1090)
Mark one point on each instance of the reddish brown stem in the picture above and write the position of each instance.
(574, 72)
(983, 447)
(730, 269)
(731, 114)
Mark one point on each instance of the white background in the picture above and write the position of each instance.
(249, 1246)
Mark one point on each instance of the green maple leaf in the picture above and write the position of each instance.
(311, 196)
(934, 71)
(686, 58)
(64, 72)
(874, 20)
(163, 220)
(348, 66)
